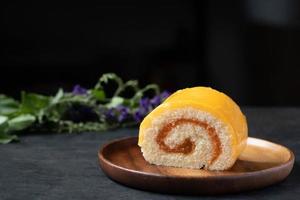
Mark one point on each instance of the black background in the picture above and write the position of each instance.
(248, 49)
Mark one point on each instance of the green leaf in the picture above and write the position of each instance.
(47, 112)
(59, 95)
(3, 119)
(34, 104)
(21, 122)
(8, 105)
(3, 123)
(6, 138)
(115, 101)
(98, 94)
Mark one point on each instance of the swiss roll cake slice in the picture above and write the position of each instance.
(194, 128)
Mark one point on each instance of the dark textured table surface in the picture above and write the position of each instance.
(66, 167)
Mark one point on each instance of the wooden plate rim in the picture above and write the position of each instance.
(289, 162)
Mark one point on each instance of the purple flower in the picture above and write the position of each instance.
(142, 110)
(118, 114)
(110, 114)
(123, 113)
(78, 90)
(165, 94)
(138, 116)
(145, 103)
(155, 101)
(158, 99)
(122, 108)
(122, 117)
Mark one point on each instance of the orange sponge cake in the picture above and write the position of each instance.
(194, 128)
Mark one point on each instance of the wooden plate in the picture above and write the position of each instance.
(261, 164)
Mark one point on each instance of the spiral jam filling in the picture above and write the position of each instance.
(188, 146)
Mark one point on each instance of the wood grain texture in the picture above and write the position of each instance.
(261, 164)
